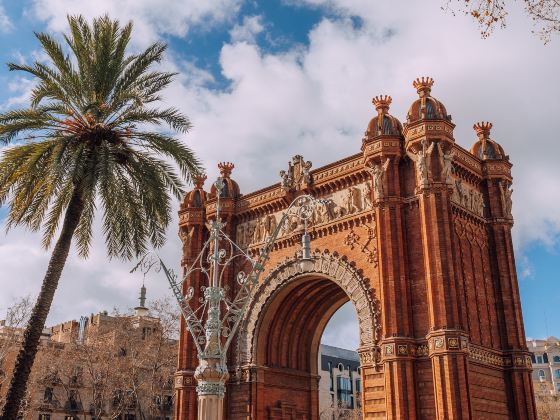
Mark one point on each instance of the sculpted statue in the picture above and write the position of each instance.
(446, 160)
(306, 166)
(421, 158)
(477, 203)
(285, 179)
(269, 225)
(378, 173)
(298, 174)
(259, 233)
(368, 201)
(506, 192)
(240, 236)
(353, 200)
(186, 235)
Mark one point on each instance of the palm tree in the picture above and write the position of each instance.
(85, 142)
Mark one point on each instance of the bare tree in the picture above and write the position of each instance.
(548, 407)
(11, 332)
(490, 14)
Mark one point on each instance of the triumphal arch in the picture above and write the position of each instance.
(415, 231)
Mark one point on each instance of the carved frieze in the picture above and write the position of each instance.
(351, 201)
(468, 197)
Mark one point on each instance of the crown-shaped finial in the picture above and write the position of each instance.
(483, 129)
(423, 85)
(225, 169)
(199, 180)
(382, 103)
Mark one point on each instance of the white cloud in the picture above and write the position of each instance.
(315, 100)
(152, 18)
(5, 22)
(248, 30)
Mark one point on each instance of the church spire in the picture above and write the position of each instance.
(142, 310)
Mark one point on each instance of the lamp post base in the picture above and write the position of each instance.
(210, 407)
(211, 375)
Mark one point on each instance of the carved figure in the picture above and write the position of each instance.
(368, 201)
(421, 158)
(446, 160)
(353, 200)
(285, 179)
(378, 173)
(186, 235)
(297, 175)
(477, 203)
(259, 231)
(269, 225)
(241, 235)
(305, 172)
(506, 192)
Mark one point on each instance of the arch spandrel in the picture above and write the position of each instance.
(323, 265)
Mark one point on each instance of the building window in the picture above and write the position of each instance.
(539, 359)
(557, 373)
(48, 395)
(541, 374)
(44, 417)
(70, 418)
(556, 359)
(533, 360)
(558, 387)
(344, 392)
(545, 358)
(341, 367)
(358, 385)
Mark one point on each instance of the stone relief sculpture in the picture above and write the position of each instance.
(186, 235)
(341, 203)
(298, 174)
(422, 160)
(378, 174)
(506, 193)
(368, 191)
(353, 200)
(446, 161)
(468, 197)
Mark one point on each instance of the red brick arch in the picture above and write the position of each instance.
(296, 298)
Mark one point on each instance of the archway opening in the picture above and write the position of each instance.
(289, 343)
(340, 381)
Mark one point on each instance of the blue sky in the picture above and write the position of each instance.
(264, 80)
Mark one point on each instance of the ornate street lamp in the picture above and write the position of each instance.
(214, 319)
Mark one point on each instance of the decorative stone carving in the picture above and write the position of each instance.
(378, 174)
(353, 200)
(368, 192)
(368, 248)
(186, 236)
(506, 192)
(468, 197)
(422, 160)
(325, 265)
(446, 161)
(298, 174)
(348, 202)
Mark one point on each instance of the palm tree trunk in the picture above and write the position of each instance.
(32, 334)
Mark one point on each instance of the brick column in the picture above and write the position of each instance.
(397, 356)
(449, 361)
(512, 334)
(193, 234)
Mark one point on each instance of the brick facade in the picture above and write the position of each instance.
(417, 234)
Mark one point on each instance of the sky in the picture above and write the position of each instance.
(265, 80)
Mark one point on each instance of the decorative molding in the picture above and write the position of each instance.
(351, 201)
(368, 246)
(324, 264)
